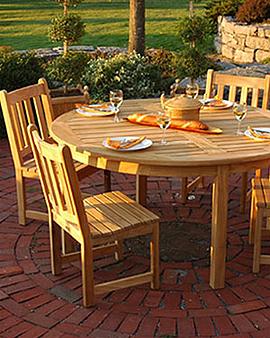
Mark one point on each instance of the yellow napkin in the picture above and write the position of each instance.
(259, 134)
(128, 143)
(104, 107)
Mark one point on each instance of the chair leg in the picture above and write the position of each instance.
(252, 220)
(184, 189)
(119, 251)
(87, 273)
(55, 246)
(68, 243)
(257, 240)
(107, 181)
(243, 199)
(202, 183)
(21, 198)
(154, 252)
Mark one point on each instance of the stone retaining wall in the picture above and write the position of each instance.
(243, 43)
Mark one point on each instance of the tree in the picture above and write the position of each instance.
(66, 27)
(137, 26)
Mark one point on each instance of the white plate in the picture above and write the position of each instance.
(95, 110)
(263, 130)
(228, 104)
(146, 143)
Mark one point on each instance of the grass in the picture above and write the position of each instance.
(24, 23)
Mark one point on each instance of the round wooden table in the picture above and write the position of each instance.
(185, 154)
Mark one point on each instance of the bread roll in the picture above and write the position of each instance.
(151, 120)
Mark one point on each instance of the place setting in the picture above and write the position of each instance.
(105, 108)
(240, 111)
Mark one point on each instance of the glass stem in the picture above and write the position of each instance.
(239, 128)
(163, 141)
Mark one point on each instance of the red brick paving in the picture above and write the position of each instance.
(34, 303)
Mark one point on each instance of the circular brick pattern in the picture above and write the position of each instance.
(34, 303)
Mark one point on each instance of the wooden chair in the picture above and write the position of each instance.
(95, 222)
(21, 107)
(239, 88)
(260, 210)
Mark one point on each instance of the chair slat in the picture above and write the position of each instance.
(220, 91)
(232, 93)
(23, 122)
(29, 111)
(255, 97)
(40, 117)
(17, 128)
(244, 94)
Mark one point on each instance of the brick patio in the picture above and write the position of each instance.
(34, 303)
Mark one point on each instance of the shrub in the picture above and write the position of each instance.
(193, 63)
(195, 30)
(254, 11)
(266, 61)
(67, 69)
(67, 28)
(17, 70)
(132, 73)
(195, 34)
(215, 8)
(166, 62)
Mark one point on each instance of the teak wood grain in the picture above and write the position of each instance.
(21, 107)
(98, 220)
(186, 154)
(254, 91)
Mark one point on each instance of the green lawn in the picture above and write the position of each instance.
(24, 23)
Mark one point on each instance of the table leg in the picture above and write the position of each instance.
(219, 228)
(141, 189)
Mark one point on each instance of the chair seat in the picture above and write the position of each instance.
(261, 191)
(113, 213)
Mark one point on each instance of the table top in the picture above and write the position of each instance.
(184, 149)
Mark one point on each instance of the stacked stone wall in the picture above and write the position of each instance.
(243, 43)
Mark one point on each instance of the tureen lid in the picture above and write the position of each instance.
(183, 102)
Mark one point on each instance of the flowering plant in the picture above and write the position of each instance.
(131, 73)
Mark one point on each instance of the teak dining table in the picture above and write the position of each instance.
(186, 154)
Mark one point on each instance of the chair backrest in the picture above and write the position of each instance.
(59, 181)
(21, 107)
(249, 88)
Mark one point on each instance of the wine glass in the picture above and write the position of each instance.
(116, 99)
(192, 89)
(164, 121)
(240, 112)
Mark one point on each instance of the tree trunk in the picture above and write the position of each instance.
(65, 5)
(65, 47)
(137, 26)
(191, 8)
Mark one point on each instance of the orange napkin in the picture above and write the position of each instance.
(151, 120)
(124, 144)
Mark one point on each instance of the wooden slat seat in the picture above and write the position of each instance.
(98, 222)
(21, 107)
(117, 213)
(260, 210)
